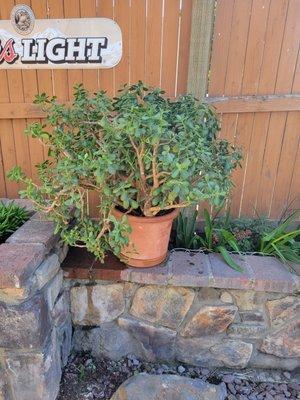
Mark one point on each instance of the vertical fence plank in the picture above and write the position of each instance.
(2, 179)
(123, 18)
(72, 10)
(31, 79)
(16, 94)
(270, 162)
(153, 42)
(294, 191)
(59, 77)
(287, 158)
(105, 9)
(44, 77)
(221, 41)
(137, 41)
(36, 151)
(244, 128)
(89, 76)
(7, 151)
(170, 46)
(90, 82)
(237, 47)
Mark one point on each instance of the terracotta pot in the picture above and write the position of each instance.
(148, 240)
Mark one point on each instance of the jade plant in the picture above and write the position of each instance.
(139, 151)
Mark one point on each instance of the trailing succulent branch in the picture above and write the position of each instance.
(140, 151)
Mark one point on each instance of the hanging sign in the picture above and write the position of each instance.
(58, 43)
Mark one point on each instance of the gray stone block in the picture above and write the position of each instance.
(282, 310)
(156, 342)
(284, 342)
(53, 289)
(61, 318)
(247, 330)
(25, 325)
(252, 316)
(64, 339)
(47, 270)
(93, 305)
(61, 249)
(4, 395)
(14, 296)
(61, 310)
(35, 232)
(210, 320)
(34, 375)
(268, 361)
(233, 353)
(18, 262)
(166, 306)
(107, 340)
(195, 351)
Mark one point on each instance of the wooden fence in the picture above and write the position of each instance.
(255, 65)
(254, 82)
(155, 49)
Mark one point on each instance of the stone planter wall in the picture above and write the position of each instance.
(35, 324)
(194, 310)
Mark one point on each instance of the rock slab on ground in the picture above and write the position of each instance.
(168, 387)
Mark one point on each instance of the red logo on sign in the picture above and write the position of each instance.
(7, 53)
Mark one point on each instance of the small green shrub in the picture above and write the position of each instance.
(219, 240)
(247, 231)
(12, 217)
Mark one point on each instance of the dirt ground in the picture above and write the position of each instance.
(86, 378)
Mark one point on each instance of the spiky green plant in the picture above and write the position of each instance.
(185, 227)
(12, 217)
(283, 242)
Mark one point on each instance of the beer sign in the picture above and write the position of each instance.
(58, 43)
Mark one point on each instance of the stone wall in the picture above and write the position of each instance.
(35, 323)
(193, 310)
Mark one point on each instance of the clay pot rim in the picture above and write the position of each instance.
(170, 216)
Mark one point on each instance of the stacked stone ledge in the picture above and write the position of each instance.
(193, 310)
(35, 323)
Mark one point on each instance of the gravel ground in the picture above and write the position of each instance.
(85, 378)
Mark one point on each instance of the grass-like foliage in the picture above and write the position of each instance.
(12, 217)
(185, 227)
(241, 235)
(140, 151)
(282, 241)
